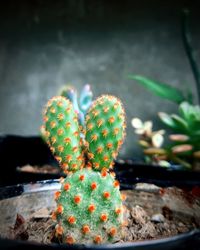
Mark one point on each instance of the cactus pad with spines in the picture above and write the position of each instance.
(62, 133)
(105, 125)
(89, 208)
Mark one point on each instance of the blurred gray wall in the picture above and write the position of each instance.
(45, 44)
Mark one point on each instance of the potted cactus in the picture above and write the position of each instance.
(89, 202)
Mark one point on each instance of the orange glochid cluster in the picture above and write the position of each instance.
(81, 177)
(71, 219)
(67, 186)
(70, 240)
(93, 185)
(104, 217)
(106, 195)
(85, 229)
(91, 208)
(77, 199)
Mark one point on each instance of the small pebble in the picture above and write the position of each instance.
(158, 218)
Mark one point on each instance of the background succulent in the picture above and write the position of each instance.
(183, 146)
(80, 103)
(185, 135)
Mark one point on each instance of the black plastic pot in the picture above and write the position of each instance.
(189, 240)
(16, 151)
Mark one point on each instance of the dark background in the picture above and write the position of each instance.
(45, 44)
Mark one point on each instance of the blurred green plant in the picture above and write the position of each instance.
(163, 90)
(184, 145)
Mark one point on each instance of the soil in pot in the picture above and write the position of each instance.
(151, 212)
(44, 169)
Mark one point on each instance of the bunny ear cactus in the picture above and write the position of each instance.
(89, 204)
(105, 124)
(62, 133)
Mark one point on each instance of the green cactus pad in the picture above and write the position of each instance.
(89, 208)
(105, 125)
(62, 133)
